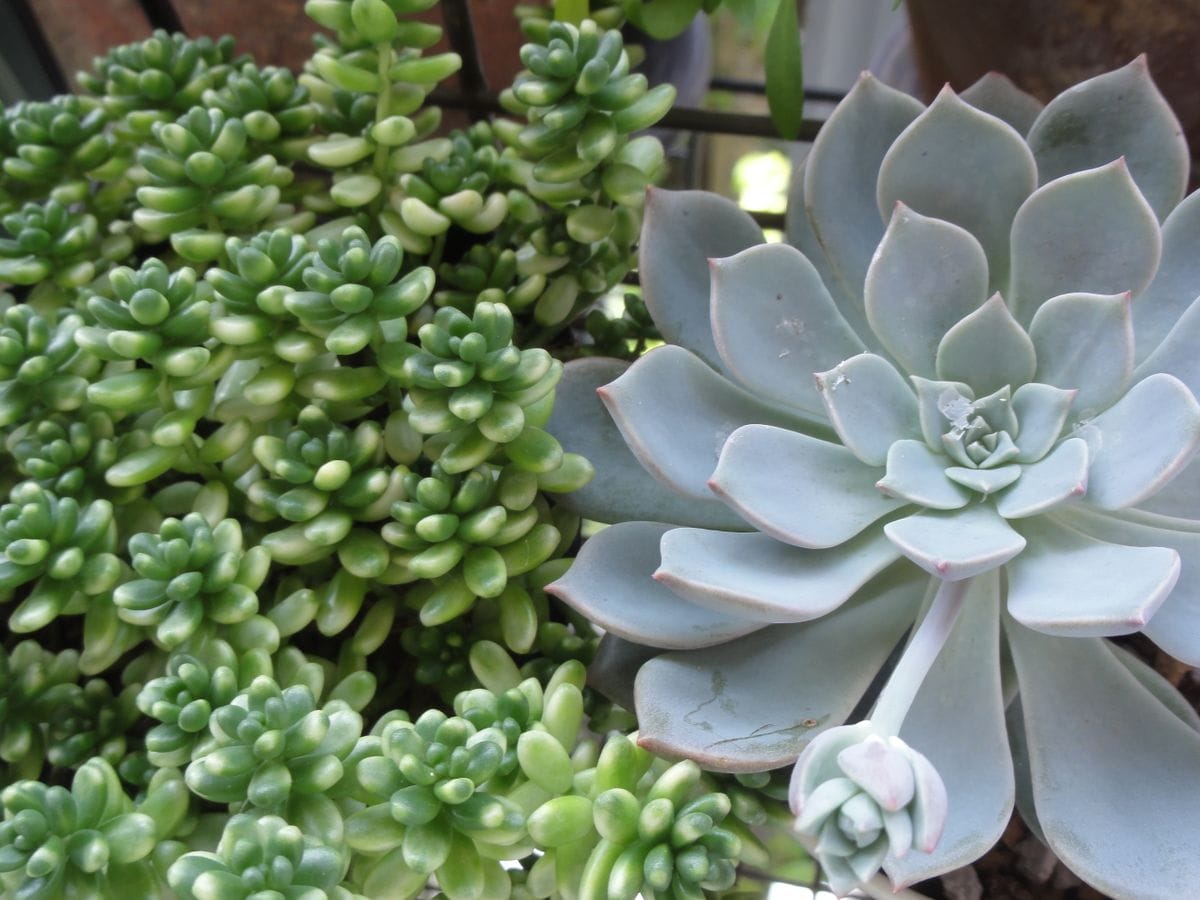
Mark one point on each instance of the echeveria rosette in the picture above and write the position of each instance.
(859, 796)
(997, 303)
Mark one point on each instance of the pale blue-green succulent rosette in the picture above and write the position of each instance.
(996, 300)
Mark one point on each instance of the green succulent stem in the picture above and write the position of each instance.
(898, 694)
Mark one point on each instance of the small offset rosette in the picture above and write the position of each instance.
(860, 796)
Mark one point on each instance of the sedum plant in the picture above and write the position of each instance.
(960, 404)
(278, 495)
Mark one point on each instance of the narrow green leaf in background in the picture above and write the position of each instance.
(661, 19)
(785, 71)
(573, 11)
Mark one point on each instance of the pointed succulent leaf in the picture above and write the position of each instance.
(799, 233)
(1176, 355)
(917, 474)
(935, 416)
(1171, 626)
(997, 95)
(1041, 411)
(675, 413)
(957, 722)
(984, 481)
(1068, 584)
(756, 577)
(957, 544)
(935, 165)
(870, 405)
(1181, 502)
(1116, 114)
(1087, 231)
(841, 172)
(752, 704)
(682, 231)
(1141, 442)
(1086, 716)
(1085, 343)
(826, 499)
(988, 350)
(775, 324)
(1177, 281)
(622, 490)
(1060, 476)
(610, 583)
(926, 275)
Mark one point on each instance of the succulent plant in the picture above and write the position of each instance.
(191, 573)
(1003, 400)
(471, 533)
(201, 182)
(275, 748)
(33, 682)
(275, 109)
(49, 239)
(56, 842)
(55, 145)
(182, 700)
(158, 317)
(153, 80)
(41, 368)
(65, 455)
(61, 547)
(456, 187)
(356, 295)
(261, 856)
(430, 806)
(323, 478)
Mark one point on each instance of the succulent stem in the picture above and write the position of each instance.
(901, 689)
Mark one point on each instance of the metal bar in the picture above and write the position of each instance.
(36, 41)
(768, 219)
(460, 31)
(162, 14)
(746, 86)
(683, 118)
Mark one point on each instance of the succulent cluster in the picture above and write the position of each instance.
(969, 412)
(279, 499)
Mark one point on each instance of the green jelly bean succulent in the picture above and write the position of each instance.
(356, 295)
(277, 362)
(431, 808)
(324, 478)
(581, 98)
(376, 80)
(192, 575)
(86, 841)
(41, 368)
(182, 701)
(49, 240)
(90, 721)
(66, 455)
(55, 146)
(454, 185)
(200, 183)
(276, 111)
(485, 273)
(468, 384)
(156, 316)
(258, 857)
(472, 532)
(33, 683)
(276, 749)
(61, 548)
(156, 79)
